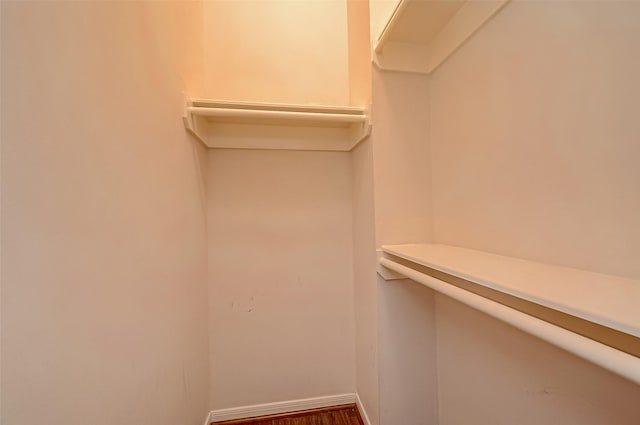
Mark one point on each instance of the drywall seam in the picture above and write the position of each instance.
(432, 227)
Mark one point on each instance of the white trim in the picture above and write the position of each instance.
(425, 55)
(256, 114)
(207, 419)
(616, 361)
(280, 407)
(606, 300)
(225, 124)
(385, 273)
(363, 412)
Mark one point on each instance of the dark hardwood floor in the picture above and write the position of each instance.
(336, 415)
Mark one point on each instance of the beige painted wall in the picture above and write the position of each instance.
(280, 276)
(407, 352)
(401, 156)
(359, 52)
(406, 313)
(364, 260)
(288, 314)
(364, 280)
(492, 373)
(104, 314)
(284, 51)
(534, 142)
(535, 137)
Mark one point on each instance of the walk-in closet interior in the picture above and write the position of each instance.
(225, 209)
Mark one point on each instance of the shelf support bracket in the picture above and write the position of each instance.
(384, 272)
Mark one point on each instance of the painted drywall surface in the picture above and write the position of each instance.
(277, 51)
(359, 52)
(400, 154)
(280, 276)
(364, 280)
(364, 260)
(534, 151)
(402, 181)
(0, 220)
(535, 137)
(492, 373)
(103, 244)
(408, 384)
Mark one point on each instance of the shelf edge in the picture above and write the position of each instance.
(616, 361)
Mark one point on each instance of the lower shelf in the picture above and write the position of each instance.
(588, 314)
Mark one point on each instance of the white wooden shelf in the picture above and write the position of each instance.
(607, 300)
(592, 315)
(420, 34)
(252, 125)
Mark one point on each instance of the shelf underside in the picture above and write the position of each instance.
(422, 34)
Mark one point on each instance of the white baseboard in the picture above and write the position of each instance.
(280, 407)
(207, 420)
(363, 413)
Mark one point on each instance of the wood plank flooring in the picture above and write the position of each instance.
(335, 415)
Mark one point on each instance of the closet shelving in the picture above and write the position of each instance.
(592, 315)
(420, 35)
(254, 125)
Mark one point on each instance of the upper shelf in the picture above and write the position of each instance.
(606, 300)
(420, 35)
(252, 125)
